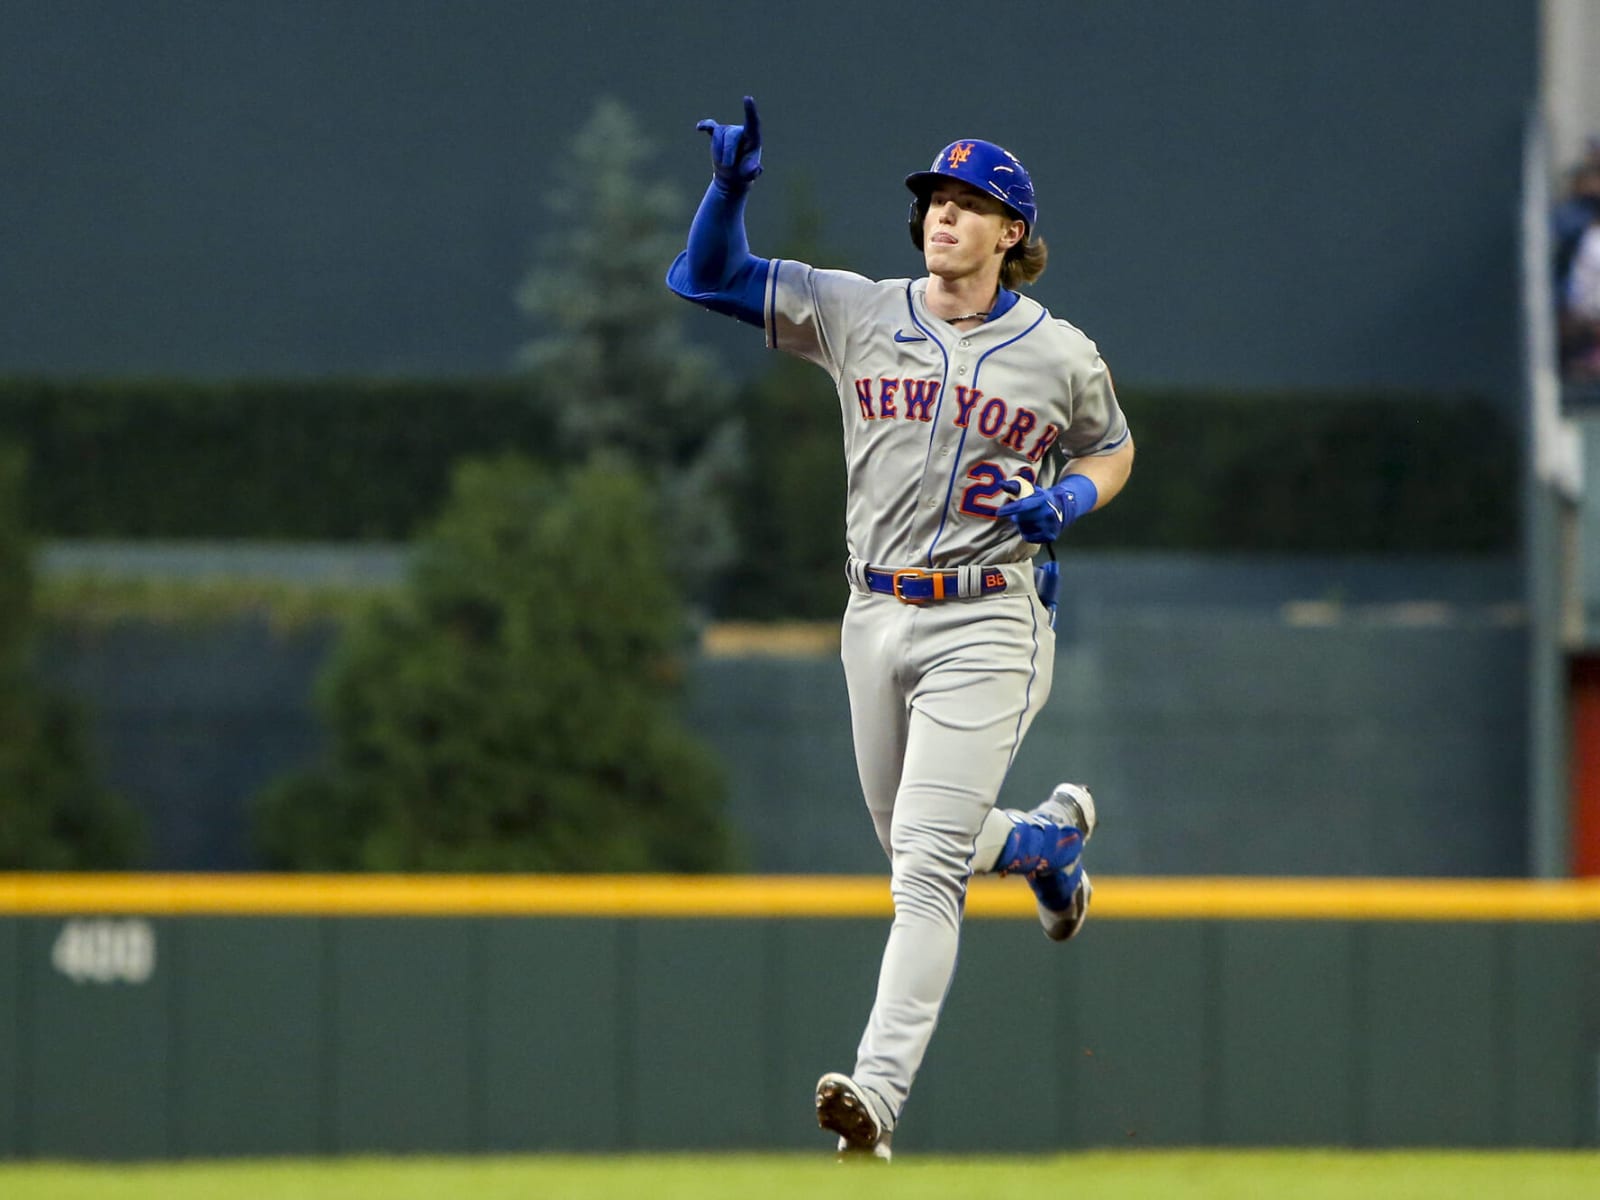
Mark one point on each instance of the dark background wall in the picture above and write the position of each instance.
(1255, 717)
(1243, 192)
(1250, 717)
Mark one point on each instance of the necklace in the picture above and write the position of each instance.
(969, 317)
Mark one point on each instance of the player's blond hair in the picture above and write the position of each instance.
(1023, 263)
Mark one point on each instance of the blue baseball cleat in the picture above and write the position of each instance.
(1047, 846)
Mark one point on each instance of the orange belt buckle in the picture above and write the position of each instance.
(938, 578)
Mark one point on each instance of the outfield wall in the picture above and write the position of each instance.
(173, 1016)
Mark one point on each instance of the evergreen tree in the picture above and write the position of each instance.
(514, 708)
(611, 354)
(54, 815)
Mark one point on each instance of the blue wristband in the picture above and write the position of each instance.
(1078, 497)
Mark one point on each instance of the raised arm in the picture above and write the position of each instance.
(717, 269)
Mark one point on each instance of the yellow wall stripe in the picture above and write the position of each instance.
(663, 896)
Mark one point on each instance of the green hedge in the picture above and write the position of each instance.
(354, 459)
(1315, 474)
(292, 460)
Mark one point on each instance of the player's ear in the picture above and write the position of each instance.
(1012, 234)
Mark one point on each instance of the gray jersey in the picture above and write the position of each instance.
(935, 418)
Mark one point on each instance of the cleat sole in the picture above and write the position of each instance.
(840, 1110)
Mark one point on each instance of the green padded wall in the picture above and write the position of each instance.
(997, 1075)
(824, 977)
(406, 1052)
(300, 1035)
(555, 1025)
(1141, 1076)
(1285, 1006)
(98, 1057)
(1433, 1064)
(251, 1013)
(1551, 1035)
(700, 1010)
(12, 1081)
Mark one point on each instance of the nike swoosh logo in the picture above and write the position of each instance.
(900, 336)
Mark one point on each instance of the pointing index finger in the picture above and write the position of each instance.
(752, 121)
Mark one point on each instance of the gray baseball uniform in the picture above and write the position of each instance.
(941, 694)
(948, 651)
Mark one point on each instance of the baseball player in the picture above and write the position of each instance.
(976, 428)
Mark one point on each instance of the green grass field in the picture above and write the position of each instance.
(1132, 1175)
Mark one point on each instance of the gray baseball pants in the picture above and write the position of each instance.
(941, 695)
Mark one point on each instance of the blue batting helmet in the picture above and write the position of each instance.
(989, 168)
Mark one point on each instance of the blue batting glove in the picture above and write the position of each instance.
(735, 149)
(1042, 515)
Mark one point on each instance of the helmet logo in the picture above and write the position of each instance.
(959, 153)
